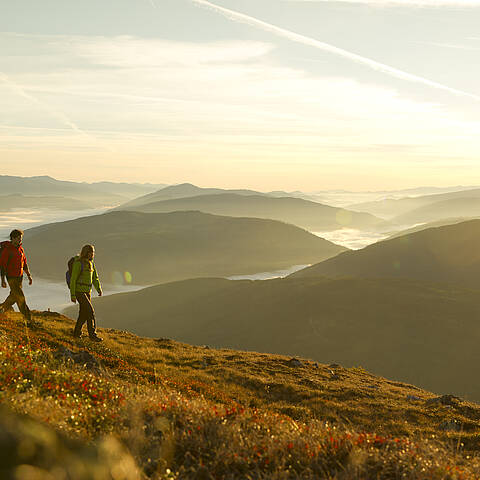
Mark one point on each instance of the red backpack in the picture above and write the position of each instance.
(4, 245)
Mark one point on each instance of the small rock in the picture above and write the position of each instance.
(294, 362)
(413, 398)
(334, 375)
(450, 400)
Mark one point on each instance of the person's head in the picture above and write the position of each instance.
(88, 252)
(16, 237)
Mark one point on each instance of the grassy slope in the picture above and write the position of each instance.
(310, 215)
(425, 334)
(157, 248)
(227, 413)
(447, 254)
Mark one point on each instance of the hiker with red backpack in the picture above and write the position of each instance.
(81, 275)
(13, 262)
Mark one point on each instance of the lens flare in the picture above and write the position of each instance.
(117, 278)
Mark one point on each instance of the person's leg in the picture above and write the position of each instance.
(90, 316)
(21, 302)
(17, 296)
(11, 299)
(82, 312)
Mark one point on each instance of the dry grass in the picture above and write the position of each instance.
(194, 412)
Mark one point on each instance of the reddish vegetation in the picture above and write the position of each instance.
(182, 428)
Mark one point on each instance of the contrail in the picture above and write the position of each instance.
(58, 115)
(152, 3)
(295, 37)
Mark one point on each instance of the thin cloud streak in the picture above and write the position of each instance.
(55, 114)
(58, 115)
(377, 66)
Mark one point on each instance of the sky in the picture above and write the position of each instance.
(265, 94)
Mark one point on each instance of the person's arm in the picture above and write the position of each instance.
(27, 270)
(76, 268)
(96, 281)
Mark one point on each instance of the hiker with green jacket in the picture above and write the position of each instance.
(84, 275)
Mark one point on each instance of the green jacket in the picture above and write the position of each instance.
(82, 280)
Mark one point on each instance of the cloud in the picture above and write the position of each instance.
(380, 67)
(210, 105)
(139, 52)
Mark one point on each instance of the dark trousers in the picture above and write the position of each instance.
(85, 314)
(16, 296)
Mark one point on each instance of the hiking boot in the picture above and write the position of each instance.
(77, 335)
(31, 323)
(96, 339)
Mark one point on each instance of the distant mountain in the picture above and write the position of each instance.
(295, 194)
(447, 254)
(390, 208)
(425, 226)
(426, 190)
(98, 194)
(409, 331)
(16, 201)
(129, 190)
(310, 215)
(155, 248)
(454, 207)
(180, 191)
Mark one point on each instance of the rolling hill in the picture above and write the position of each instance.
(182, 190)
(455, 207)
(390, 208)
(448, 254)
(424, 226)
(97, 194)
(415, 332)
(303, 213)
(155, 248)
